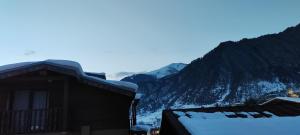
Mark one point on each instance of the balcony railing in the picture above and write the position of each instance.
(30, 121)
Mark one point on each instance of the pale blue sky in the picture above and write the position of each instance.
(133, 35)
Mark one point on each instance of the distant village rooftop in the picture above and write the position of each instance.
(219, 123)
(278, 116)
(72, 68)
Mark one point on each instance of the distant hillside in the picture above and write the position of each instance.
(139, 78)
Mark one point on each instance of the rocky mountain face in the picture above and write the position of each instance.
(232, 72)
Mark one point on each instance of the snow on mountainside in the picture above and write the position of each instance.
(167, 70)
(159, 73)
(119, 75)
(233, 72)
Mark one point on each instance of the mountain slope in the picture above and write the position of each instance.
(230, 73)
(139, 78)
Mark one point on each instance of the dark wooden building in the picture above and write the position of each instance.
(57, 97)
(283, 101)
(278, 116)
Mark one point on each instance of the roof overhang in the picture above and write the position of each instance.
(70, 71)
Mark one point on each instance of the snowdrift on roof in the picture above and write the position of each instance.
(198, 123)
(73, 66)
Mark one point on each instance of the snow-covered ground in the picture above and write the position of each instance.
(225, 94)
(154, 118)
(179, 104)
(151, 118)
(270, 86)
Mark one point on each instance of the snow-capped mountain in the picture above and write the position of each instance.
(119, 75)
(159, 73)
(167, 70)
(231, 73)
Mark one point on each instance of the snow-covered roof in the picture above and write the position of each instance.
(71, 65)
(201, 123)
(290, 99)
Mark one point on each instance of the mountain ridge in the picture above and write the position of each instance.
(231, 73)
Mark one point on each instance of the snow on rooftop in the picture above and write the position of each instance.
(202, 115)
(123, 84)
(74, 66)
(200, 123)
(13, 66)
(64, 63)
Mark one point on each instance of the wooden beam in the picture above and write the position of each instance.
(65, 104)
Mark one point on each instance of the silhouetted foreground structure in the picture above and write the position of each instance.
(56, 96)
(277, 116)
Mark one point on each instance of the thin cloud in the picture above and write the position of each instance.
(29, 53)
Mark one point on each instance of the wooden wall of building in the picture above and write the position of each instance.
(98, 108)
